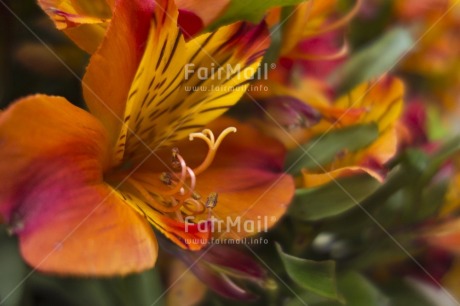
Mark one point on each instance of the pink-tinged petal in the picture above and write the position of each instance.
(71, 228)
(84, 21)
(71, 13)
(53, 197)
(212, 267)
(206, 11)
(112, 68)
(247, 175)
(39, 128)
(247, 148)
(246, 196)
(188, 236)
(445, 236)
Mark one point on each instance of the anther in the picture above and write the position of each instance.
(211, 201)
(196, 196)
(166, 178)
(175, 160)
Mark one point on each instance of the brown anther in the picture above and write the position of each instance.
(175, 160)
(166, 178)
(196, 196)
(211, 201)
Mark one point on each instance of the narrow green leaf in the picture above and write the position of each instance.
(332, 199)
(402, 293)
(315, 276)
(13, 270)
(324, 148)
(252, 11)
(356, 290)
(142, 289)
(374, 60)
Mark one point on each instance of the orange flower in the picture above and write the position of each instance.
(436, 23)
(312, 113)
(85, 21)
(310, 19)
(80, 189)
(380, 103)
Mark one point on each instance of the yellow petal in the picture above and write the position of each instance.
(84, 21)
(382, 101)
(312, 180)
(167, 100)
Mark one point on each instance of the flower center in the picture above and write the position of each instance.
(181, 197)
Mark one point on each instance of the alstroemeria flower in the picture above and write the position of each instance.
(85, 21)
(439, 46)
(309, 49)
(311, 110)
(380, 103)
(224, 269)
(308, 20)
(314, 112)
(436, 22)
(79, 189)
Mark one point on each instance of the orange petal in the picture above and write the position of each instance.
(83, 230)
(88, 36)
(246, 148)
(112, 68)
(247, 175)
(53, 197)
(39, 128)
(255, 199)
(188, 236)
(446, 236)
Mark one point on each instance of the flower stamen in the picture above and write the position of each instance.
(208, 136)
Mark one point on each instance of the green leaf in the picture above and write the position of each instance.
(402, 293)
(378, 58)
(253, 10)
(356, 290)
(324, 149)
(13, 270)
(311, 204)
(315, 276)
(142, 289)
